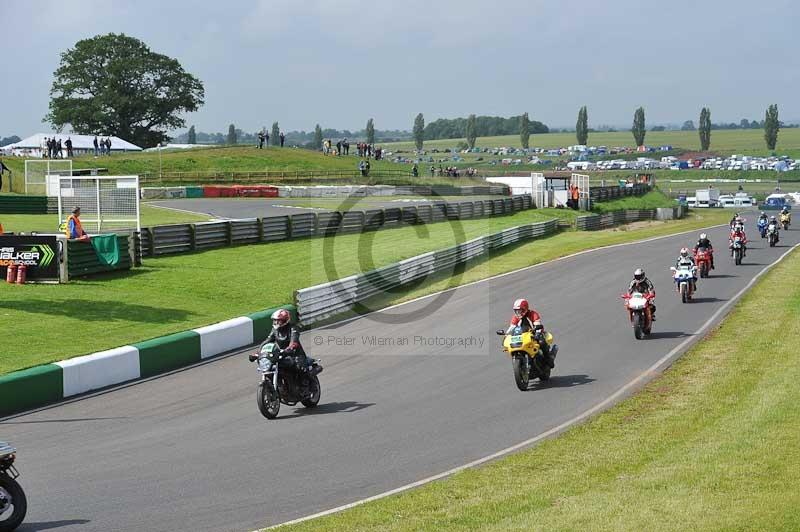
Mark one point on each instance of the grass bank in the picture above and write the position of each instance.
(176, 293)
(712, 444)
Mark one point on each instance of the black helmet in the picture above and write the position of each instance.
(639, 274)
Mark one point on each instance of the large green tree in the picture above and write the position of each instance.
(470, 132)
(231, 135)
(317, 138)
(370, 131)
(192, 136)
(639, 129)
(771, 126)
(524, 131)
(419, 131)
(704, 129)
(115, 85)
(582, 126)
(275, 135)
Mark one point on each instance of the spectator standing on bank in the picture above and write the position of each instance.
(260, 140)
(4, 168)
(362, 167)
(366, 168)
(60, 149)
(283, 138)
(415, 170)
(96, 146)
(338, 147)
(68, 143)
(108, 145)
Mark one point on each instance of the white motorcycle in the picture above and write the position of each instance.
(684, 277)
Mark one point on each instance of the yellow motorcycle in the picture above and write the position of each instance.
(527, 358)
(785, 220)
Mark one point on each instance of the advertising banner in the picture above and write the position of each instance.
(40, 254)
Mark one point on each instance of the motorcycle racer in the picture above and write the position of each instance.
(287, 337)
(643, 285)
(705, 242)
(529, 320)
(738, 230)
(686, 260)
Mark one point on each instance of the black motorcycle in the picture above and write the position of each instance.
(13, 504)
(283, 382)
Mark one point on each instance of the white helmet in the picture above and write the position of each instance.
(638, 274)
(702, 236)
(684, 252)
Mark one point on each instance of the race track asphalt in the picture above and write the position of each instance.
(189, 450)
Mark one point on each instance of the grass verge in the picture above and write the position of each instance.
(48, 223)
(712, 444)
(181, 292)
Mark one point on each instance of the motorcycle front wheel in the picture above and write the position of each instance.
(637, 326)
(737, 257)
(684, 293)
(521, 366)
(11, 491)
(316, 392)
(703, 270)
(269, 400)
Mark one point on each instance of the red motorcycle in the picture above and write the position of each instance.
(639, 311)
(702, 259)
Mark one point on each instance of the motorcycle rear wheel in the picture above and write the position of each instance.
(11, 519)
(316, 393)
(521, 365)
(269, 400)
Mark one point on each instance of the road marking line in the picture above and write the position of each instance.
(643, 378)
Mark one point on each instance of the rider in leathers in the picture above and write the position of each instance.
(643, 285)
(684, 259)
(528, 319)
(705, 242)
(287, 337)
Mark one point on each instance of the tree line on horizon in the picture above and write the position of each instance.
(91, 93)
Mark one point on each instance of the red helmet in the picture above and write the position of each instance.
(280, 318)
(521, 307)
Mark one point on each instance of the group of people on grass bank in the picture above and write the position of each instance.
(263, 138)
(102, 146)
(53, 148)
(451, 171)
(342, 147)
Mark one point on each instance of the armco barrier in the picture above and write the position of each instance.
(596, 222)
(40, 385)
(615, 192)
(82, 259)
(13, 204)
(182, 238)
(326, 300)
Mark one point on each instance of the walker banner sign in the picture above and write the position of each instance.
(38, 253)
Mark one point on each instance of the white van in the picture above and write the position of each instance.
(691, 202)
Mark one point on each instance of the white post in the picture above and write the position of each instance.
(97, 181)
(138, 219)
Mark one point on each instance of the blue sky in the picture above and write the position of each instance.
(340, 62)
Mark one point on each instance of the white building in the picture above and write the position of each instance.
(34, 146)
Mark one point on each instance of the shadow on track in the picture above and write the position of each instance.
(721, 276)
(707, 300)
(668, 334)
(563, 381)
(50, 525)
(329, 408)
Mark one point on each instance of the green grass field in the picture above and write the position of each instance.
(712, 444)
(745, 142)
(175, 293)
